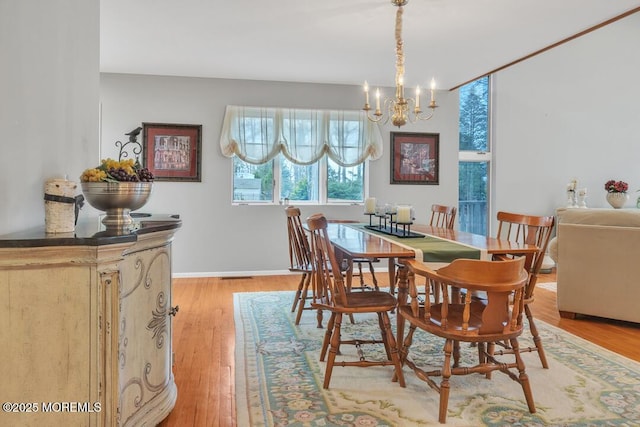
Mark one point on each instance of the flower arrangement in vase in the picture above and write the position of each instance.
(616, 193)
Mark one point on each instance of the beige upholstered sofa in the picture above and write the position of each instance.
(597, 252)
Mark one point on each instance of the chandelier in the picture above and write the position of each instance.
(398, 109)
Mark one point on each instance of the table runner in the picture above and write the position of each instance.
(433, 249)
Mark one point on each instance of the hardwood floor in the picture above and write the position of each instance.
(204, 340)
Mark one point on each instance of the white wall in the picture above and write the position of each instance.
(49, 94)
(220, 239)
(573, 111)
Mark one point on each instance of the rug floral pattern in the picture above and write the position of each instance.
(279, 379)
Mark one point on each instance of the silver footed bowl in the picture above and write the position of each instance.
(117, 200)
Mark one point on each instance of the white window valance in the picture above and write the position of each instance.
(256, 135)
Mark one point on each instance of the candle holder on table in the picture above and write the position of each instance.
(393, 223)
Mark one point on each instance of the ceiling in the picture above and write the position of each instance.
(336, 41)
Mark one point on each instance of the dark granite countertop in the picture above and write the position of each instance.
(91, 232)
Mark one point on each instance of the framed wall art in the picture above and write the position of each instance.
(173, 152)
(414, 158)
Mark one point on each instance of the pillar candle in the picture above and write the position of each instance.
(370, 205)
(404, 214)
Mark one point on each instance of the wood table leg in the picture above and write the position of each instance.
(403, 286)
(392, 275)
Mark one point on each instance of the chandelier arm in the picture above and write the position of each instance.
(376, 118)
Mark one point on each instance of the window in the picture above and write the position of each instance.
(312, 156)
(298, 182)
(474, 157)
(345, 184)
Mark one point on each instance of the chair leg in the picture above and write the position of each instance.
(335, 348)
(383, 332)
(302, 297)
(482, 355)
(523, 379)
(393, 347)
(403, 350)
(536, 337)
(319, 318)
(444, 384)
(456, 354)
(298, 292)
(327, 337)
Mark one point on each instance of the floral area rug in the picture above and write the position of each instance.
(279, 379)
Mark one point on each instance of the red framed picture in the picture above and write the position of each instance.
(414, 158)
(172, 152)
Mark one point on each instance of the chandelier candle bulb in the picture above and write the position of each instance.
(433, 88)
(418, 97)
(370, 205)
(377, 100)
(366, 94)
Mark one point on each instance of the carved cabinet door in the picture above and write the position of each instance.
(145, 377)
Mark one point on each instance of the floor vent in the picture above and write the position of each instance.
(237, 278)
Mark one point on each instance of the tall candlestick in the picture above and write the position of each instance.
(377, 99)
(417, 97)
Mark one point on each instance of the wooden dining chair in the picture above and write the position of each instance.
(466, 319)
(351, 263)
(339, 302)
(534, 230)
(443, 216)
(300, 262)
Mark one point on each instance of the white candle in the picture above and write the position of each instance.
(370, 205)
(404, 214)
(366, 92)
(417, 97)
(377, 99)
(433, 88)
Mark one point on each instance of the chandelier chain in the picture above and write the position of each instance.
(399, 45)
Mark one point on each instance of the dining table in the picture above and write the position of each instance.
(435, 244)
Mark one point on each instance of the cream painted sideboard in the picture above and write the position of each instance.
(85, 326)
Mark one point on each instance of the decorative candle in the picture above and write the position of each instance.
(417, 97)
(377, 99)
(370, 205)
(433, 88)
(404, 214)
(366, 92)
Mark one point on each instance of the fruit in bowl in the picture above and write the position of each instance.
(117, 188)
(117, 171)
